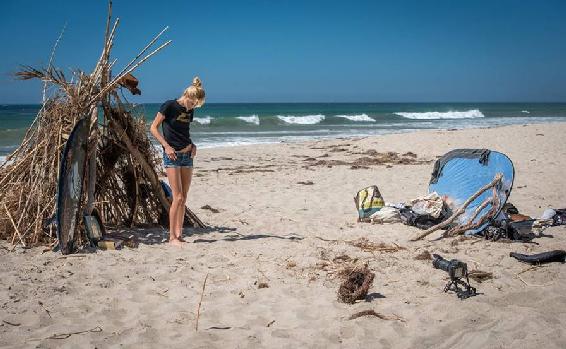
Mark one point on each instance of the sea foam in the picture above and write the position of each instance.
(358, 117)
(302, 120)
(252, 119)
(203, 121)
(468, 114)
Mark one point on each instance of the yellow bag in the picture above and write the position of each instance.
(368, 201)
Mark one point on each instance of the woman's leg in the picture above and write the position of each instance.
(186, 178)
(174, 177)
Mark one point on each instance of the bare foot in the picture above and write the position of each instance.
(176, 242)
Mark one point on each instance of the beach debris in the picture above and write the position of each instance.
(291, 264)
(11, 323)
(368, 201)
(262, 285)
(200, 301)
(131, 83)
(121, 168)
(306, 182)
(475, 185)
(462, 209)
(371, 312)
(431, 204)
(270, 323)
(369, 246)
(41, 305)
(409, 154)
(480, 276)
(385, 215)
(110, 244)
(210, 208)
(67, 335)
(424, 256)
(355, 285)
(372, 158)
(539, 258)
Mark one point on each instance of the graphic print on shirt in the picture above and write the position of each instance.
(183, 117)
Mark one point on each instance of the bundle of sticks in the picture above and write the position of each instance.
(122, 182)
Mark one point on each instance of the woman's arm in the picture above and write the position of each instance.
(155, 132)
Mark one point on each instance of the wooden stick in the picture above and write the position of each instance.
(51, 61)
(459, 211)
(91, 173)
(14, 224)
(470, 225)
(143, 51)
(199, 303)
(115, 81)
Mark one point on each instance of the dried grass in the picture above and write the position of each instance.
(355, 285)
(369, 246)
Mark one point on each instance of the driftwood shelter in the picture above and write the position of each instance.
(119, 173)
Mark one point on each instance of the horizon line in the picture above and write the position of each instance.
(322, 102)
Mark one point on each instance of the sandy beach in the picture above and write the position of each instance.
(281, 221)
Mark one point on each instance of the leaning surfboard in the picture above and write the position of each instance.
(70, 186)
(460, 173)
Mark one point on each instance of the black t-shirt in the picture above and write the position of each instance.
(176, 126)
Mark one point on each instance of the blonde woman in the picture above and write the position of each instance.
(175, 116)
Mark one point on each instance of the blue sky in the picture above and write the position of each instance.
(301, 51)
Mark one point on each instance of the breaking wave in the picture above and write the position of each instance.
(203, 121)
(468, 114)
(302, 120)
(252, 119)
(358, 117)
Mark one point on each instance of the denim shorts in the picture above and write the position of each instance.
(183, 160)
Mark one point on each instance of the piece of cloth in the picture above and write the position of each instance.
(509, 208)
(183, 160)
(131, 83)
(560, 217)
(386, 215)
(430, 204)
(504, 229)
(548, 214)
(177, 124)
(409, 217)
(545, 257)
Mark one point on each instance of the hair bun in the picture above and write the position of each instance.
(196, 82)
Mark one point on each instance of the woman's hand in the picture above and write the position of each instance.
(190, 148)
(170, 152)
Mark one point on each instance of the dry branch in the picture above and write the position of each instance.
(460, 210)
(200, 301)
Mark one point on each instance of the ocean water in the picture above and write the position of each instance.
(233, 124)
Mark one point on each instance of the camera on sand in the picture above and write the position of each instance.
(458, 271)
